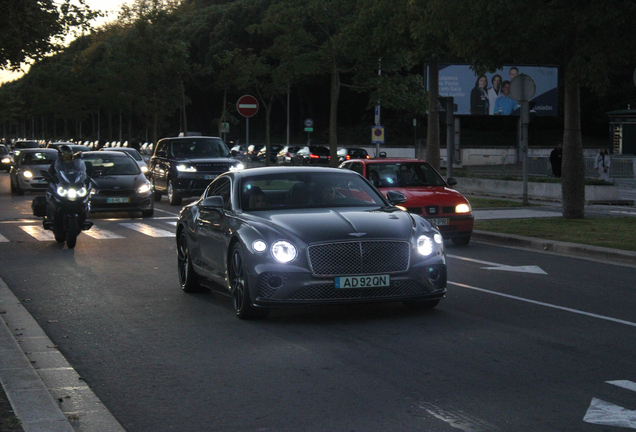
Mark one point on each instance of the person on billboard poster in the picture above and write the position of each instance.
(514, 72)
(479, 97)
(505, 104)
(494, 92)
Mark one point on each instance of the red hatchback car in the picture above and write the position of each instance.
(427, 193)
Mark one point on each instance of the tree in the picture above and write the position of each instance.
(32, 29)
(587, 39)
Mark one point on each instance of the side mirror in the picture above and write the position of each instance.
(213, 202)
(451, 181)
(395, 197)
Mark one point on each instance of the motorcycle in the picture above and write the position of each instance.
(65, 205)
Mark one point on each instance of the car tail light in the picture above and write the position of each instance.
(348, 157)
(368, 157)
(287, 154)
(313, 156)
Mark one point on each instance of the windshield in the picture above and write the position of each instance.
(112, 165)
(39, 158)
(285, 190)
(3, 150)
(403, 174)
(198, 148)
(71, 172)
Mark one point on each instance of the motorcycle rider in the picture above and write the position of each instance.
(67, 161)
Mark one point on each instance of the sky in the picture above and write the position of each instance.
(110, 7)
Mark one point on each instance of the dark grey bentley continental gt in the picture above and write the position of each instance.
(289, 236)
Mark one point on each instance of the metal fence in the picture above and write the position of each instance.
(620, 167)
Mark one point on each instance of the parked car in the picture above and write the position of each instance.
(286, 154)
(289, 236)
(312, 155)
(238, 151)
(5, 158)
(117, 183)
(135, 155)
(251, 154)
(19, 145)
(427, 193)
(352, 153)
(275, 148)
(184, 166)
(25, 174)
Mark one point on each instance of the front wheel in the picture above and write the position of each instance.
(187, 276)
(241, 300)
(72, 233)
(173, 198)
(155, 194)
(461, 241)
(148, 213)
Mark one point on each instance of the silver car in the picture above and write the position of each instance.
(25, 173)
(135, 155)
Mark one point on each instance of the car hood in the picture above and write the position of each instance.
(206, 160)
(119, 181)
(327, 225)
(429, 195)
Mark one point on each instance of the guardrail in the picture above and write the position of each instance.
(621, 166)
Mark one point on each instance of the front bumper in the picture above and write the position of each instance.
(192, 184)
(136, 202)
(273, 285)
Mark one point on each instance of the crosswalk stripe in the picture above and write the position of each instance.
(38, 232)
(3, 239)
(148, 230)
(173, 223)
(101, 234)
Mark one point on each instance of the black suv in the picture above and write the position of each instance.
(184, 166)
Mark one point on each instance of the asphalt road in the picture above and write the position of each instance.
(524, 341)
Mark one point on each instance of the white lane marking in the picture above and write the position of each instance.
(608, 414)
(623, 212)
(496, 266)
(616, 320)
(22, 221)
(458, 419)
(165, 211)
(101, 234)
(624, 384)
(39, 233)
(173, 223)
(148, 230)
(3, 239)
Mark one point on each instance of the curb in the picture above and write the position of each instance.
(614, 256)
(34, 374)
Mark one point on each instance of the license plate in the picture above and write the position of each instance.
(117, 200)
(438, 221)
(362, 281)
(209, 177)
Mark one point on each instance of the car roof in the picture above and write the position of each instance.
(39, 150)
(290, 169)
(100, 153)
(390, 160)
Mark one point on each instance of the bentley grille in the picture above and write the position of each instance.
(359, 258)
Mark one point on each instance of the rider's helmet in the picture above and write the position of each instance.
(65, 153)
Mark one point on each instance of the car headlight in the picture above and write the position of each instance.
(284, 251)
(144, 169)
(237, 167)
(144, 188)
(425, 245)
(27, 174)
(6, 160)
(259, 246)
(462, 208)
(186, 168)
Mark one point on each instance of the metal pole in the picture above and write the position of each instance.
(287, 114)
(525, 116)
(450, 136)
(247, 131)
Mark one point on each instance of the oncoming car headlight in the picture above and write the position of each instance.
(284, 251)
(144, 188)
(239, 166)
(462, 208)
(27, 174)
(186, 168)
(259, 246)
(144, 169)
(6, 160)
(425, 245)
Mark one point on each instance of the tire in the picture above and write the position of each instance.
(420, 305)
(173, 198)
(13, 189)
(156, 194)
(187, 277)
(72, 233)
(60, 235)
(240, 292)
(148, 213)
(461, 240)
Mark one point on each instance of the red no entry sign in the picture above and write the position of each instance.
(247, 106)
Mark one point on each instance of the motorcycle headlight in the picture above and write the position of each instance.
(284, 251)
(61, 191)
(425, 245)
(237, 167)
(27, 174)
(462, 208)
(144, 188)
(82, 192)
(186, 168)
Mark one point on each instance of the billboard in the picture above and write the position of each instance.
(486, 94)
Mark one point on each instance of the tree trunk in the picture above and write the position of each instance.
(432, 135)
(333, 116)
(573, 173)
